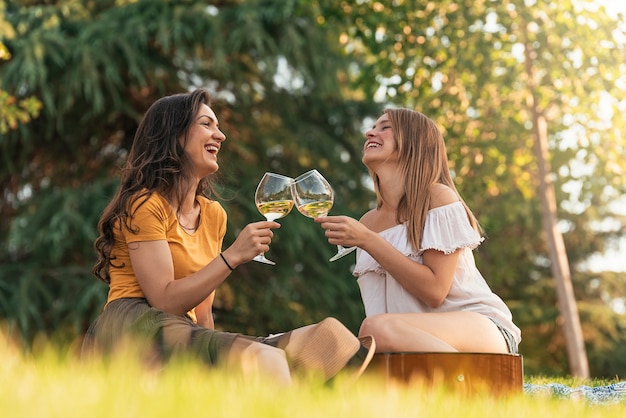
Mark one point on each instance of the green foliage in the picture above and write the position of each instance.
(46, 287)
(13, 111)
(58, 303)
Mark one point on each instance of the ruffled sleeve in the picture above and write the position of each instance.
(447, 229)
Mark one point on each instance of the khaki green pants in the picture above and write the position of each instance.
(134, 318)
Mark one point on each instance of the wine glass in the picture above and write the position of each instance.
(313, 197)
(274, 200)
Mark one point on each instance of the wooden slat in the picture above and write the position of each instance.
(463, 372)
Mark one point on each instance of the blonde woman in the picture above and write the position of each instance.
(415, 268)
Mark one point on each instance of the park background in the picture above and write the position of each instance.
(295, 85)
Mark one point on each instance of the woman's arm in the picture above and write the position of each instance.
(204, 312)
(154, 269)
(430, 282)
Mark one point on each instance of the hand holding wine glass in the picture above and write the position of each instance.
(314, 198)
(273, 198)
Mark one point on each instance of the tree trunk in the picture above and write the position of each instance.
(574, 341)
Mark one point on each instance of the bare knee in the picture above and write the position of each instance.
(381, 327)
(272, 360)
(369, 325)
(261, 359)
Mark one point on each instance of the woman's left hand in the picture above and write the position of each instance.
(344, 230)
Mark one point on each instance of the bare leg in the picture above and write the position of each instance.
(255, 359)
(441, 332)
(325, 348)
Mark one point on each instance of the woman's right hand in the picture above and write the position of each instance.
(253, 240)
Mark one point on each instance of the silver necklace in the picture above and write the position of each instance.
(186, 228)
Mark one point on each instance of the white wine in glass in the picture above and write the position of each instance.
(314, 198)
(273, 198)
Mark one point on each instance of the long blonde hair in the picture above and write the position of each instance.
(423, 162)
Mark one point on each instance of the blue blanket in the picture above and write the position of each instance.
(613, 393)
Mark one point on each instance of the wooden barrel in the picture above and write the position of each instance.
(463, 372)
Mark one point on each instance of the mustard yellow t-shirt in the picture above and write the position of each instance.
(155, 219)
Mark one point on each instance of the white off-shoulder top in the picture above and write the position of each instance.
(447, 229)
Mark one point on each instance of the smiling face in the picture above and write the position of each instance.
(380, 145)
(204, 141)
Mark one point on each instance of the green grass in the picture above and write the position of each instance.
(55, 383)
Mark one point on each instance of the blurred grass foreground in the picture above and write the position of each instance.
(53, 382)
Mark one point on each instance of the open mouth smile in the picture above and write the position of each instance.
(213, 149)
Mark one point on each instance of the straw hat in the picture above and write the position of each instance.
(326, 347)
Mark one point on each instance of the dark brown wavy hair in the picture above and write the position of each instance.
(423, 162)
(156, 163)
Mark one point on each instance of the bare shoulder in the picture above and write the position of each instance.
(369, 218)
(441, 195)
(378, 220)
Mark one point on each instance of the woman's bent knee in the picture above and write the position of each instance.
(382, 327)
(255, 358)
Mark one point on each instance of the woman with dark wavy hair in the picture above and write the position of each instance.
(160, 252)
(415, 268)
